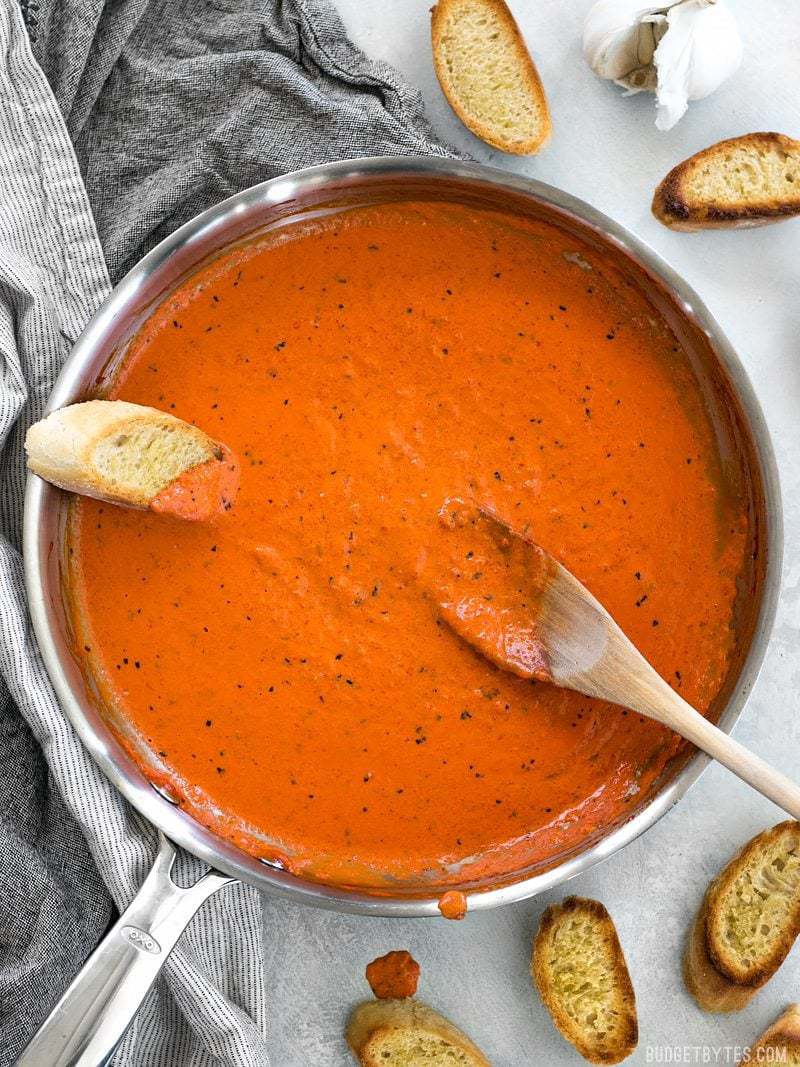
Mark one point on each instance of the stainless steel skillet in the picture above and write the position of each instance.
(94, 1013)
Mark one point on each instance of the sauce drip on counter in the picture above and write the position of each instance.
(393, 976)
(453, 904)
(282, 667)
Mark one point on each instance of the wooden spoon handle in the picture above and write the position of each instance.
(682, 717)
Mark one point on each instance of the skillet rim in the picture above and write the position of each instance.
(42, 500)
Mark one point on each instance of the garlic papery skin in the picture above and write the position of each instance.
(680, 49)
(700, 49)
(619, 39)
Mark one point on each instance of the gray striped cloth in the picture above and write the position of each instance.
(166, 108)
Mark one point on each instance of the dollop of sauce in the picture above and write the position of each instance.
(487, 581)
(453, 904)
(393, 976)
(202, 492)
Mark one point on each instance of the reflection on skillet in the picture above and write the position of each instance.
(281, 668)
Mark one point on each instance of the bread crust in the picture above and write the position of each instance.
(712, 991)
(762, 970)
(528, 72)
(672, 203)
(62, 446)
(783, 1036)
(551, 918)
(374, 1019)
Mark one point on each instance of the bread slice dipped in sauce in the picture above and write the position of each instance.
(135, 456)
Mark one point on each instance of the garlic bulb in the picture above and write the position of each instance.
(680, 49)
(700, 49)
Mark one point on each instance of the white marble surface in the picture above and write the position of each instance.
(606, 150)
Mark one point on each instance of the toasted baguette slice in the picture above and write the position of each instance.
(754, 907)
(115, 451)
(780, 1043)
(407, 1033)
(712, 990)
(580, 971)
(488, 76)
(746, 181)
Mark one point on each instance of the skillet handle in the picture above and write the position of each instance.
(90, 1019)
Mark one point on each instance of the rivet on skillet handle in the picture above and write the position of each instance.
(91, 1018)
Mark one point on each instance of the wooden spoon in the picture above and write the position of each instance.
(519, 607)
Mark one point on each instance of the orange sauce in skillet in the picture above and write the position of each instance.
(201, 492)
(281, 667)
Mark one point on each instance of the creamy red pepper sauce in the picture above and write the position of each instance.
(487, 581)
(201, 492)
(453, 905)
(394, 976)
(282, 668)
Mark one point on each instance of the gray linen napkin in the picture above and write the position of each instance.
(171, 106)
